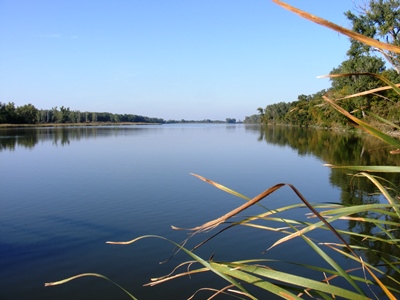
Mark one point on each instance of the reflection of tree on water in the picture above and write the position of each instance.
(11, 142)
(29, 137)
(62, 136)
(351, 149)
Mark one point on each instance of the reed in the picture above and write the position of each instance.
(362, 281)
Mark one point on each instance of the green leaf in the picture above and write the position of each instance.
(296, 280)
(253, 280)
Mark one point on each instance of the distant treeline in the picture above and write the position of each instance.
(29, 114)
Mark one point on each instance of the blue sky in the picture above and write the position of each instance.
(173, 59)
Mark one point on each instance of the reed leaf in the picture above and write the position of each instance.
(383, 191)
(373, 91)
(394, 86)
(254, 280)
(393, 125)
(221, 187)
(295, 280)
(376, 169)
(366, 40)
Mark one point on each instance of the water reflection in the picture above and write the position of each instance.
(30, 137)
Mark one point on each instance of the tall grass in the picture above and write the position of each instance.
(375, 278)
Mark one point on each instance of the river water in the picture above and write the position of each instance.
(66, 191)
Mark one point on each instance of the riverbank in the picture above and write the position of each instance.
(75, 124)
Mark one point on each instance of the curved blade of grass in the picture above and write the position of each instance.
(384, 120)
(156, 281)
(342, 30)
(192, 255)
(384, 88)
(221, 187)
(365, 126)
(89, 275)
(311, 267)
(379, 169)
(225, 189)
(254, 280)
(296, 280)
(383, 191)
(225, 290)
(379, 208)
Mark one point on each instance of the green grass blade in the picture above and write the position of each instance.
(384, 192)
(384, 120)
(254, 280)
(296, 280)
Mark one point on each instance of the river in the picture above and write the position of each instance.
(66, 191)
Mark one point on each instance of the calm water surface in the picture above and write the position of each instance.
(66, 191)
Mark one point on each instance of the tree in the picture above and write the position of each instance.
(7, 113)
(64, 114)
(378, 19)
(27, 114)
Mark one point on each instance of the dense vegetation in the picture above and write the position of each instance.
(29, 114)
(380, 21)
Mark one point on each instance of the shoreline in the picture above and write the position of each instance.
(75, 124)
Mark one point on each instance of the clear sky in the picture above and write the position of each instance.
(172, 59)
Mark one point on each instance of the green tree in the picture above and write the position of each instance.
(27, 114)
(378, 19)
(7, 113)
(64, 115)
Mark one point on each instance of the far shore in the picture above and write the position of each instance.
(75, 124)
